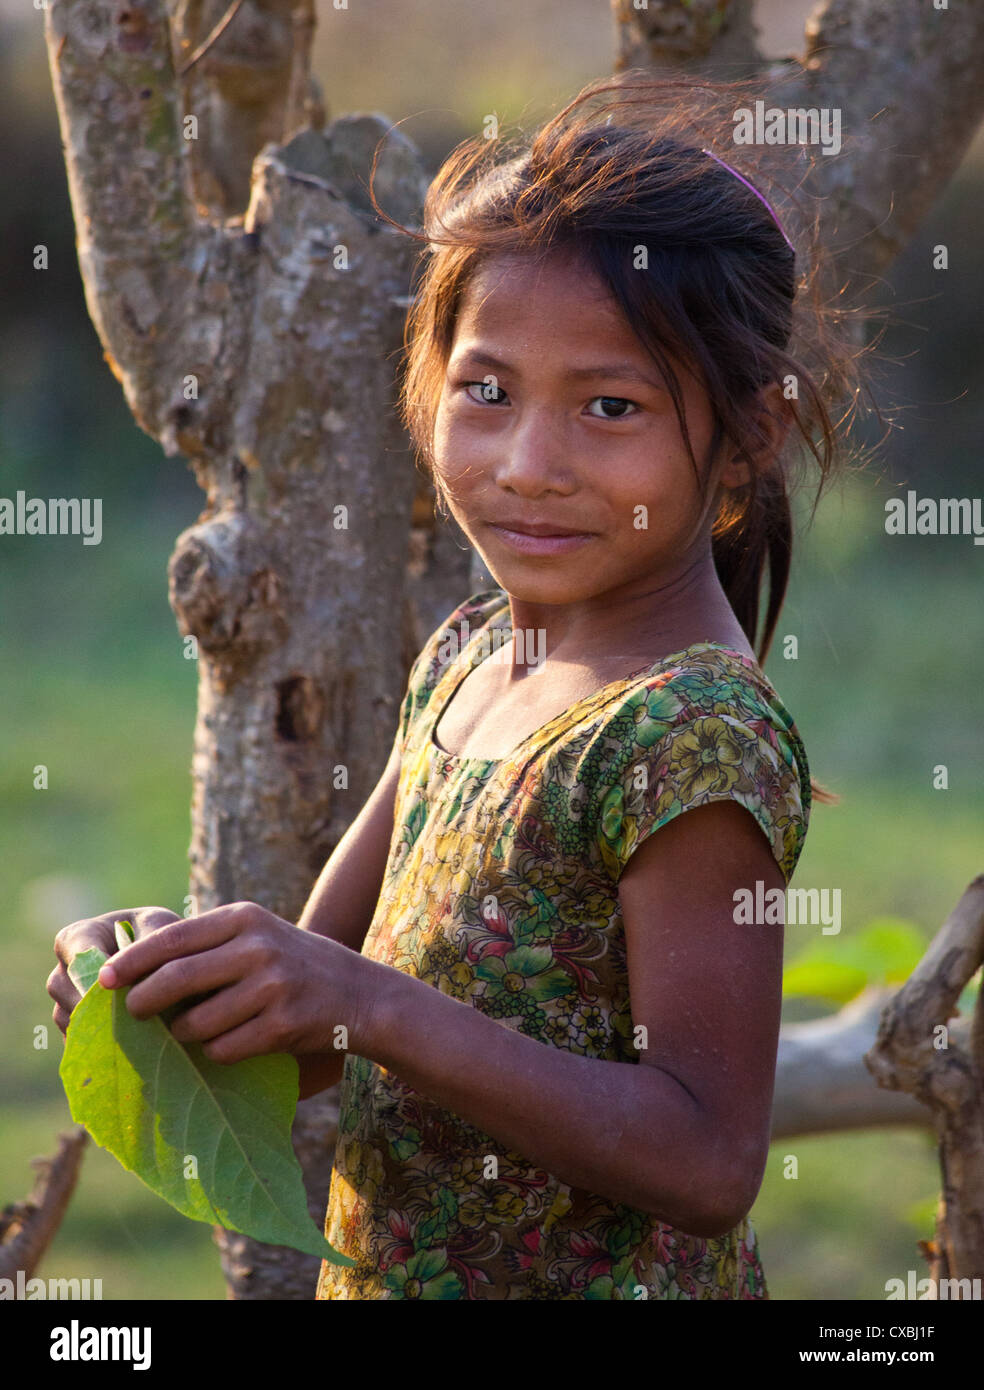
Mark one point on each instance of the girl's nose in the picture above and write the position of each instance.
(534, 456)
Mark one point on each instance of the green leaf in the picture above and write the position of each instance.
(888, 948)
(823, 979)
(156, 1104)
(85, 967)
(922, 1214)
(124, 934)
(885, 951)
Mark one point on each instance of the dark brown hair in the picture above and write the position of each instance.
(719, 289)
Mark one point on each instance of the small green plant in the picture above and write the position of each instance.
(211, 1139)
(885, 951)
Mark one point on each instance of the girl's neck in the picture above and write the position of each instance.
(632, 626)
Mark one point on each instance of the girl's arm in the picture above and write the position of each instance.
(685, 1134)
(343, 901)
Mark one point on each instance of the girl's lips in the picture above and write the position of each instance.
(539, 545)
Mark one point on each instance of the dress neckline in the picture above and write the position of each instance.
(469, 657)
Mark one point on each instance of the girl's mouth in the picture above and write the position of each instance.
(539, 545)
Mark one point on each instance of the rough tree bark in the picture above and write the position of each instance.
(261, 347)
(919, 1052)
(251, 306)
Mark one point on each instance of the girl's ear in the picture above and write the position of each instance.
(735, 473)
(774, 420)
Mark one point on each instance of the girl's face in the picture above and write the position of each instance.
(553, 414)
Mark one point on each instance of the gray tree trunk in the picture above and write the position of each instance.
(261, 345)
(251, 306)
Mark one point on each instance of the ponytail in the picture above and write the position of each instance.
(760, 532)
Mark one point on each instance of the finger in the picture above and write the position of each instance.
(186, 977)
(61, 989)
(248, 1040)
(98, 931)
(187, 936)
(145, 920)
(226, 1010)
(78, 936)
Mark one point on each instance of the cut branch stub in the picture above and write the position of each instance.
(223, 593)
(342, 154)
(678, 31)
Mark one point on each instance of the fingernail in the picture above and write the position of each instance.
(107, 977)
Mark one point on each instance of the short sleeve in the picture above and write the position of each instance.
(443, 647)
(658, 768)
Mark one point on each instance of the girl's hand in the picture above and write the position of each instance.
(99, 932)
(272, 986)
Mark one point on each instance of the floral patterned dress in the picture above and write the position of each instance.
(501, 889)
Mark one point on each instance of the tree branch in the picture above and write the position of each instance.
(822, 1083)
(917, 1051)
(905, 77)
(908, 1054)
(907, 80)
(207, 42)
(28, 1228)
(245, 74)
(137, 236)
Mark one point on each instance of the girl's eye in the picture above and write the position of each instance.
(619, 402)
(614, 407)
(486, 394)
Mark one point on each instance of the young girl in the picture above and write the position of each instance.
(561, 1031)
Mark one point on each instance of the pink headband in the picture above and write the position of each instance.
(758, 195)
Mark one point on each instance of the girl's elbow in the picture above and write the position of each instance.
(731, 1201)
(714, 1189)
(722, 1201)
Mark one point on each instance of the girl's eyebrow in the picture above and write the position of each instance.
(623, 370)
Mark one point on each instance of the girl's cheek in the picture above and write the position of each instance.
(462, 456)
(451, 441)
